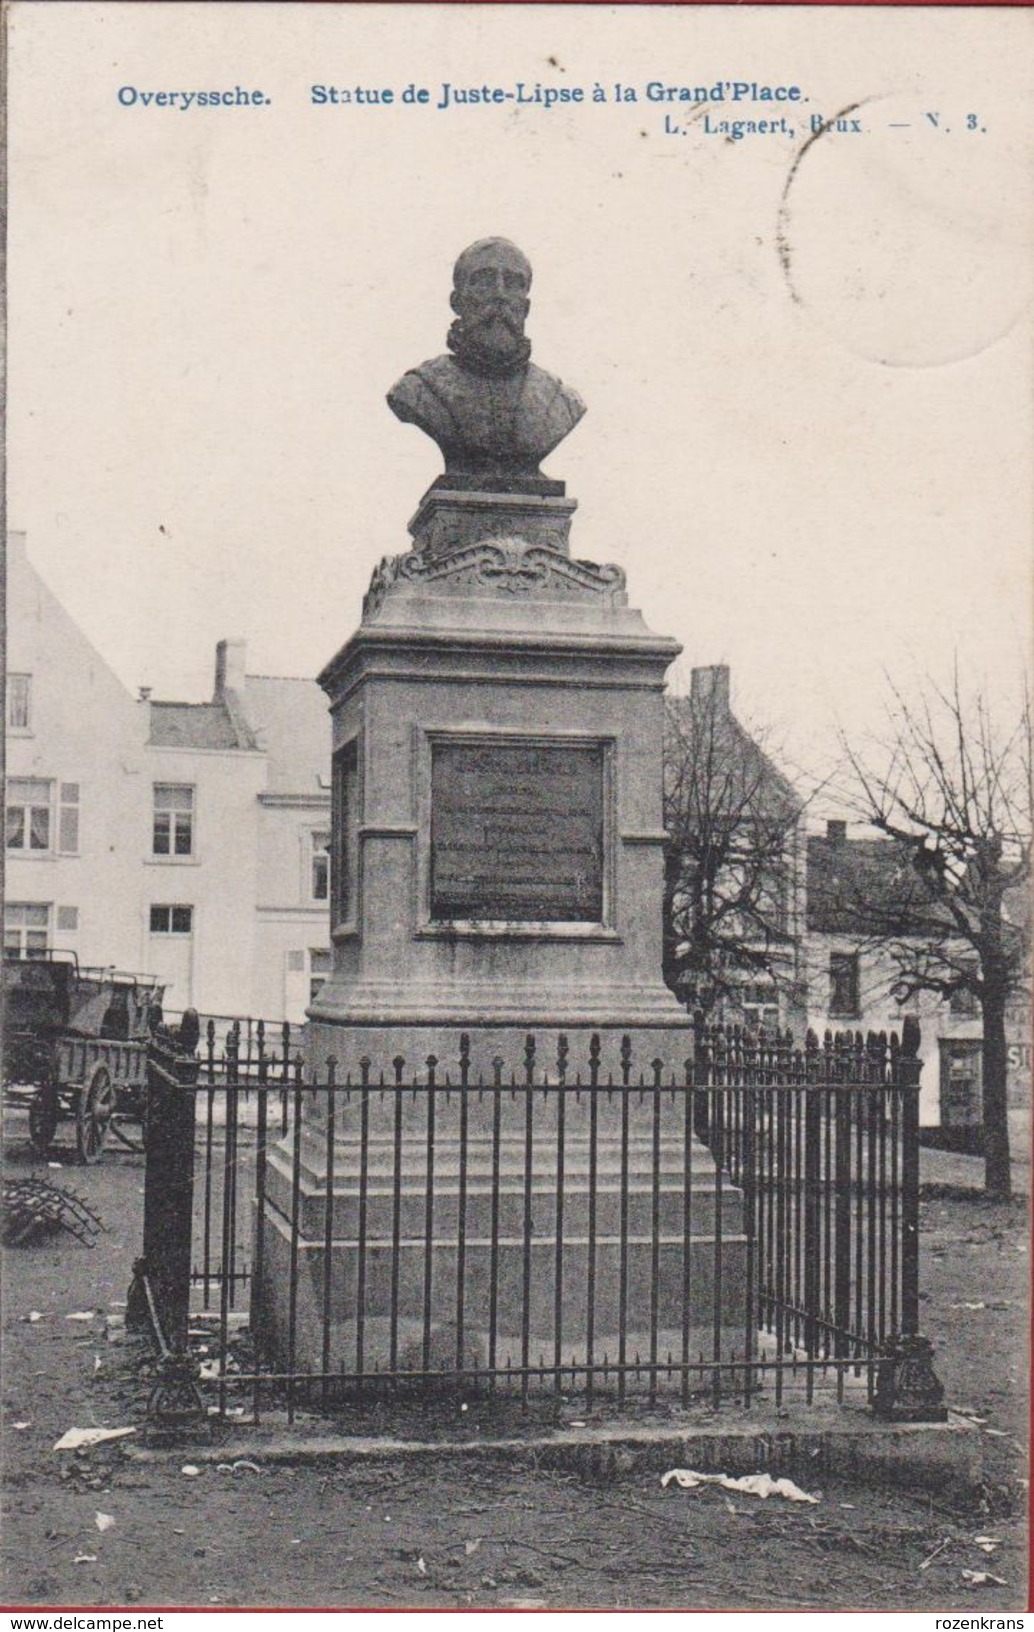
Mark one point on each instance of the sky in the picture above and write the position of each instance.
(806, 361)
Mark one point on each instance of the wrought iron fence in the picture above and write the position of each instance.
(742, 1226)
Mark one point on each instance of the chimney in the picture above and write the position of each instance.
(711, 686)
(836, 832)
(229, 668)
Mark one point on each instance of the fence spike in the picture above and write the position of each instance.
(561, 1058)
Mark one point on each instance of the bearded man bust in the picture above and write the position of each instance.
(493, 413)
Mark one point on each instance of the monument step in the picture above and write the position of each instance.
(504, 1266)
(478, 1213)
(481, 1153)
(639, 1197)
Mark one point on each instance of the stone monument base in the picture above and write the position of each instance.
(451, 1254)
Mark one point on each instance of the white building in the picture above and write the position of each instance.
(853, 984)
(186, 840)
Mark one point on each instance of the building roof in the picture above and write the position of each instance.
(854, 884)
(742, 770)
(197, 725)
(292, 725)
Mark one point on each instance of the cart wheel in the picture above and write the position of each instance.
(43, 1119)
(94, 1107)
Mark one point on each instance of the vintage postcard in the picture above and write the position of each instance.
(518, 822)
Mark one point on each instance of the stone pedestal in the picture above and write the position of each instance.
(497, 783)
(493, 1265)
(497, 872)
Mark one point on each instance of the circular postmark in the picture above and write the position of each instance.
(905, 229)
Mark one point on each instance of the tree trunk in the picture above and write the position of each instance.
(997, 1173)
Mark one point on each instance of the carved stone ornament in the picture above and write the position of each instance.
(503, 566)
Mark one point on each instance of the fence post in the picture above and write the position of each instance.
(812, 1203)
(907, 1388)
(159, 1297)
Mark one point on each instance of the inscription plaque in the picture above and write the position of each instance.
(516, 833)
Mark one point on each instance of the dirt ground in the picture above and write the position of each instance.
(435, 1533)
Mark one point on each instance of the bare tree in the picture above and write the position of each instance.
(730, 865)
(951, 784)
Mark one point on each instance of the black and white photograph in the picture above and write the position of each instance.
(516, 898)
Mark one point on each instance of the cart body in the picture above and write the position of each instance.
(75, 1046)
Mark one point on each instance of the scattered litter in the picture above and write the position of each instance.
(81, 1314)
(296, 1541)
(997, 1433)
(472, 1546)
(576, 1425)
(521, 1603)
(103, 1521)
(190, 1470)
(236, 1319)
(925, 1565)
(32, 1317)
(987, 1544)
(97, 1364)
(849, 1506)
(982, 1578)
(421, 1567)
(208, 1371)
(21, 1425)
(85, 1558)
(243, 1466)
(752, 1484)
(58, 1165)
(76, 1438)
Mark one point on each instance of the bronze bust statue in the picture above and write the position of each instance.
(493, 413)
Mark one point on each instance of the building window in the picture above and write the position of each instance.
(19, 702)
(345, 796)
(172, 920)
(173, 819)
(28, 814)
(321, 964)
(319, 866)
(843, 984)
(26, 929)
(963, 1004)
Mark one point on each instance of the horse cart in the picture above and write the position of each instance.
(76, 1045)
